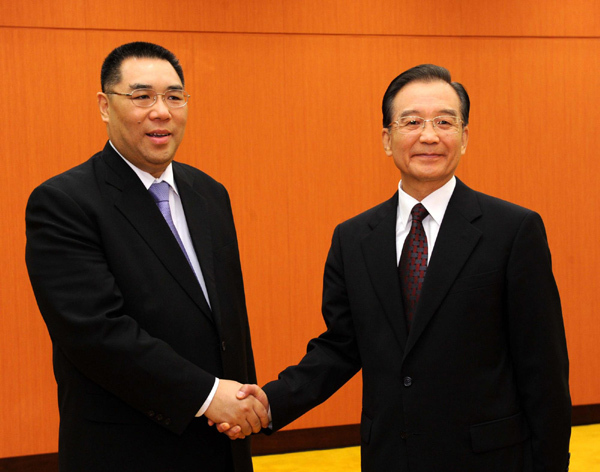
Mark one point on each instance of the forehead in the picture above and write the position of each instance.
(156, 73)
(426, 98)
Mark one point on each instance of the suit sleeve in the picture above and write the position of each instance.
(331, 359)
(84, 310)
(538, 346)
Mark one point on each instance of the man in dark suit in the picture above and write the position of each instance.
(144, 303)
(462, 347)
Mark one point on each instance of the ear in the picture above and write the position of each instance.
(386, 139)
(465, 139)
(103, 105)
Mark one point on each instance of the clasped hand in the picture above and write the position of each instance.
(238, 410)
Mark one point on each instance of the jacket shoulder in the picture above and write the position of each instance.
(77, 183)
(374, 214)
(197, 178)
(74, 175)
(494, 203)
(476, 206)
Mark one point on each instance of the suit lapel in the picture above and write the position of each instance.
(455, 243)
(137, 206)
(379, 249)
(198, 221)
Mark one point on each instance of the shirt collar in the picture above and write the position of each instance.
(435, 203)
(147, 178)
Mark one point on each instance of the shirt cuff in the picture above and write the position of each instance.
(209, 399)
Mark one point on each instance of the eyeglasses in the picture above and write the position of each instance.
(446, 124)
(145, 98)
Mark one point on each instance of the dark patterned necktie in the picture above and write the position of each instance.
(413, 262)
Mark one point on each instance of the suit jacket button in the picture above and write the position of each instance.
(167, 421)
(151, 414)
(159, 417)
(407, 381)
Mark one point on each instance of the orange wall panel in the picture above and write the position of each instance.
(551, 18)
(291, 124)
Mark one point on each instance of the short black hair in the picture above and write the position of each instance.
(423, 73)
(110, 74)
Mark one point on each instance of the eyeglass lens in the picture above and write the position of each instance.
(147, 98)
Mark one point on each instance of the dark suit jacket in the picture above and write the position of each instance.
(481, 382)
(136, 347)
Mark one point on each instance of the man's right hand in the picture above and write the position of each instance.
(245, 393)
(238, 410)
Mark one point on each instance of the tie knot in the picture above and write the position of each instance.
(419, 212)
(160, 191)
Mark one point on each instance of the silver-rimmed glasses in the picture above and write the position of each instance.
(145, 98)
(444, 124)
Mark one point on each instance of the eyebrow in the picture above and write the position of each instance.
(138, 86)
(448, 111)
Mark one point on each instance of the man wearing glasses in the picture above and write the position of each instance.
(445, 298)
(134, 262)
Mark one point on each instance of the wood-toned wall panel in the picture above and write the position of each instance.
(291, 124)
(576, 18)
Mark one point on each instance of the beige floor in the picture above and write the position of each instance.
(585, 456)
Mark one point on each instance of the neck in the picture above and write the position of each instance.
(420, 190)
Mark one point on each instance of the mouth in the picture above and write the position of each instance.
(159, 136)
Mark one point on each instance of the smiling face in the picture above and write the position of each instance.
(426, 159)
(146, 137)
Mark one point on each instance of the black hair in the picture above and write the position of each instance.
(110, 74)
(423, 73)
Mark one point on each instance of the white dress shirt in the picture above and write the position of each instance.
(435, 203)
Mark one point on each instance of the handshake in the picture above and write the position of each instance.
(238, 410)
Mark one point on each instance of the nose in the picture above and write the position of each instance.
(160, 110)
(428, 133)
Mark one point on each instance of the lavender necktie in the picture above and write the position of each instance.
(160, 193)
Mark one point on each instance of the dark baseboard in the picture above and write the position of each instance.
(37, 463)
(294, 440)
(585, 414)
